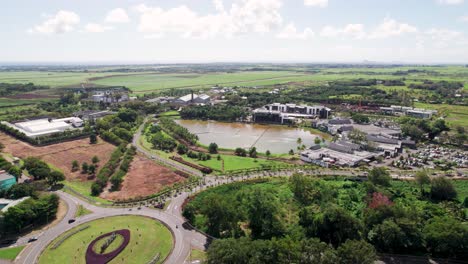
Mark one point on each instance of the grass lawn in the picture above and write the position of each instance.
(152, 238)
(10, 253)
(84, 188)
(170, 113)
(82, 211)
(197, 254)
(8, 102)
(232, 163)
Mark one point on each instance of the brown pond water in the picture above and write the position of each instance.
(278, 139)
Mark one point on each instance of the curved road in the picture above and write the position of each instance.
(184, 240)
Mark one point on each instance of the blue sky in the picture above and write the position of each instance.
(422, 31)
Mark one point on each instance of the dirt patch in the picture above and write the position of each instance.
(61, 155)
(144, 178)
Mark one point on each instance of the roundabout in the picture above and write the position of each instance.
(115, 239)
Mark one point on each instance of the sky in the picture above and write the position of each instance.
(178, 31)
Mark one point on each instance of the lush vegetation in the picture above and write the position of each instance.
(108, 170)
(217, 112)
(178, 131)
(392, 216)
(15, 88)
(31, 212)
(41, 171)
(118, 129)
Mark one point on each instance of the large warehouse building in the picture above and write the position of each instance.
(45, 126)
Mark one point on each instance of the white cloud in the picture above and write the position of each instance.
(96, 28)
(62, 22)
(391, 28)
(316, 3)
(450, 2)
(464, 18)
(117, 15)
(219, 5)
(290, 32)
(350, 30)
(244, 16)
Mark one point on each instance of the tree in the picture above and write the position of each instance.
(446, 236)
(20, 190)
(253, 152)
(92, 169)
(15, 171)
(95, 160)
(54, 177)
(263, 215)
(291, 152)
(442, 189)
(380, 176)
(422, 179)
(299, 141)
(268, 154)
(92, 139)
(356, 251)
(240, 152)
(84, 167)
(317, 140)
(334, 225)
(360, 118)
(213, 148)
(357, 136)
(221, 215)
(182, 149)
(75, 165)
(317, 252)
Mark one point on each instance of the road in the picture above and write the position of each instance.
(184, 240)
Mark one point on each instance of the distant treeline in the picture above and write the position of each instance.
(217, 112)
(7, 89)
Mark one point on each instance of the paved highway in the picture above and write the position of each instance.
(184, 239)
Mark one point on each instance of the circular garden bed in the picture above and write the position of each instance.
(118, 239)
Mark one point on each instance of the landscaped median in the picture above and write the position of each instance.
(148, 238)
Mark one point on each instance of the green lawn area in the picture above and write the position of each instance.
(148, 237)
(52, 79)
(81, 211)
(232, 163)
(84, 188)
(7, 102)
(170, 113)
(197, 254)
(155, 81)
(10, 253)
(456, 115)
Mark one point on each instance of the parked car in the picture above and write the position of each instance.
(70, 221)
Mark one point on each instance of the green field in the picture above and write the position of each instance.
(148, 238)
(53, 79)
(10, 253)
(232, 163)
(84, 188)
(152, 82)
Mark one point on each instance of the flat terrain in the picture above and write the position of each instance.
(148, 237)
(10, 253)
(61, 155)
(144, 178)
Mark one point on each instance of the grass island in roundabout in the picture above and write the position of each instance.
(123, 239)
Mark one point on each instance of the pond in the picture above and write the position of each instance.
(278, 139)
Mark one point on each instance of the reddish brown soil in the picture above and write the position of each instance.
(61, 155)
(144, 178)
